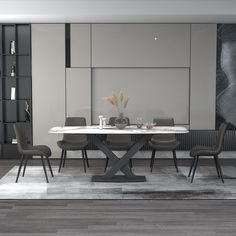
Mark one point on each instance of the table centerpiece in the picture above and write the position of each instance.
(120, 102)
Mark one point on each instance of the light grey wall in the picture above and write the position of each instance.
(155, 92)
(140, 45)
(80, 45)
(188, 47)
(48, 83)
(78, 93)
(203, 76)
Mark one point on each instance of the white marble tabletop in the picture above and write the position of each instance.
(113, 130)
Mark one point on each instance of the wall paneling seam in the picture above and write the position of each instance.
(190, 68)
(91, 74)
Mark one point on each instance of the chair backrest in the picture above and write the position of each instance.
(164, 122)
(220, 137)
(75, 121)
(21, 137)
(121, 138)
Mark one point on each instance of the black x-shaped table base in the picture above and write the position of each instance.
(120, 163)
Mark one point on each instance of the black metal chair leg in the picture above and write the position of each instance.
(86, 157)
(26, 160)
(195, 167)
(175, 160)
(64, 159)
(62, 154)
(130, 164)
(219, 168)
(49, 165)
(44, 168)
(152, 159)
(21, 162)
(151, 162)
(83, 158)
(106, 164)
(191, 167)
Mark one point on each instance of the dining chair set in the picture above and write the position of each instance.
(79, 142)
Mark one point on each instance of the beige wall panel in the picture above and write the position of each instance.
(152, 93)
(48, 83)
(78, 92)
(203, 76)
(80, 45)
(134, 45)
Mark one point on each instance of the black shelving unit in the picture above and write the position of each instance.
(15, 73)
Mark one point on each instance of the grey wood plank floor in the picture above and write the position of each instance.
(116, 217)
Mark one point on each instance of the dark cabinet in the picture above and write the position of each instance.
(15, 85)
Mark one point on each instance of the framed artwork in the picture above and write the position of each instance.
(226, 75)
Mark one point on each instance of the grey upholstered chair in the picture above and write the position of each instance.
(214, 151)
(119, 142)
(73, 142)
(27, 150)
(163, 142)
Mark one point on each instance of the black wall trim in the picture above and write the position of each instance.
(67, 41)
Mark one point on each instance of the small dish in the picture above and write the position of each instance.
(150, 125)
(139, 126)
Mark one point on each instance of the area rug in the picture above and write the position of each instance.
(162, 183)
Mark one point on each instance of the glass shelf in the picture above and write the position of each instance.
(16, 54)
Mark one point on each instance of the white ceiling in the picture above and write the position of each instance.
(92, 11)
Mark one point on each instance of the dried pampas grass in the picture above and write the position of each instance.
(117, 99)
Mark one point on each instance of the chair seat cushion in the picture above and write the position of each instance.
(118, 146)
(66, 145)
(203, 151)
(164, 145)
(38, 150)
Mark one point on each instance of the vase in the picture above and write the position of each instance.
(27, 111)
(121, 122)
(13, 71)
(12, 47)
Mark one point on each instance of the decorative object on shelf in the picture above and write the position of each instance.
(12, 47)
(13, 93)
(27, 111)
(13, 71)
(120, 101)
(14, 141)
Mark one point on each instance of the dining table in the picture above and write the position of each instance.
(119, 163)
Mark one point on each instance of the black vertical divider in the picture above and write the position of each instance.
(67, 47)
(16, 71)
(1, 82)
